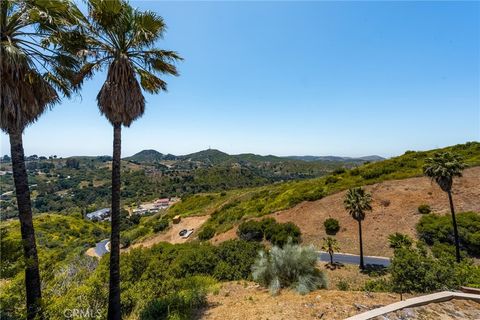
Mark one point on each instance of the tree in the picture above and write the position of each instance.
(122, 40)
(442, 168)
(399, 240)
(356, 202)
(330, 245)
(34, 65)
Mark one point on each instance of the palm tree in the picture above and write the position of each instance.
(442, 168)
(330, 245)
(122, 40)
(34, 65)
(356, 202)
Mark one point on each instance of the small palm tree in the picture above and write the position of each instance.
(442, 168)
(330, 245)
(122, 39)
(356, 202)
(34, 65)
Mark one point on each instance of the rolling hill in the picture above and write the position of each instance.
(239, 205)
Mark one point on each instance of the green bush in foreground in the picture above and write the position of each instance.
(177, 305)
(434, 228)
(416, 270)
(292, 266)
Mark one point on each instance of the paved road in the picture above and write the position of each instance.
(354, 259)
(101, 247)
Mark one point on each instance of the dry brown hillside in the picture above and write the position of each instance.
(395, 209)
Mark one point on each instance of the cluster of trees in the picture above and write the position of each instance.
(269, 229)
(162, 282)
(50, 48)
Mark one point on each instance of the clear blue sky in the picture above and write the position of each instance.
(342, 78)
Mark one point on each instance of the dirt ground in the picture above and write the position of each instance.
(395, 209)
(91, 252)
(171, 235)
(246, 300)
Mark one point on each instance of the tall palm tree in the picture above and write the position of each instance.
(356, 202)
(122, 40)
(330, 245)
(34, 65)
(442, 168)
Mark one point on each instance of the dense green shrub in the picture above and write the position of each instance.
(161, 225)
(177, 305)
(236, 258)
(434, 228)
(415, 270)
(331, 180)
(332, 226)
(206, 233)
(399, 240)
(250, 230)
(281, 233)
(424, 209)
(198, 259)
(292, 266)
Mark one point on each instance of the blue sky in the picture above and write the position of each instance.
(284, 78)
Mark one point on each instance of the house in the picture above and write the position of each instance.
(99, 215)
(162, 203)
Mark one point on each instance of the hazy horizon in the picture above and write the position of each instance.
(285, 78)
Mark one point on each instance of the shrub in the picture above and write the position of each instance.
(292, 266)
(280, 234)
(161, 225)
(177, 305)
(199, 259)
(331, 180)
(398, 240)
(332, 226)
(267, 224)
(434, 228)
(415, 270)
(207, 233)
(424, 209)
(343, 285)
(250, 230)
(236, 259)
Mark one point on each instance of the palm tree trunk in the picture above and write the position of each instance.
(114, 312)
(20, 178)
(455, 228)
(362, 266)
(331, 258)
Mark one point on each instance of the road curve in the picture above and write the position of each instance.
(347, 258)
(101, 247)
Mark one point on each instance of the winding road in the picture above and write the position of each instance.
(347, 258)
(101, 247)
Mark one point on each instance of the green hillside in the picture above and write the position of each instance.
(255, 202)
(146, 156)
(59, 238)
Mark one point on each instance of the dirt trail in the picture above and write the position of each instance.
(395, 209)
(171, 235)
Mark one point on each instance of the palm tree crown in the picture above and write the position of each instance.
(442, 168)
(34, 61)
(122, 39)
(357, 201)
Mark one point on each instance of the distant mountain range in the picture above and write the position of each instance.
(214, 157)
(336, 158)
